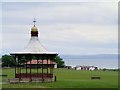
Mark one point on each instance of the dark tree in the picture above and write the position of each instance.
(8, 61)
(59, 61)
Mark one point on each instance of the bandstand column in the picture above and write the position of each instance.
(37, 65)
(26, 65)
(30, 68)
(50, 69)
(51, 66)
(20, 66)
(42, 67)
(15, 65)
(47, 65)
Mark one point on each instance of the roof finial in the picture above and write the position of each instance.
(34, 21)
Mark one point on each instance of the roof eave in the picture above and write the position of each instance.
(18, 53)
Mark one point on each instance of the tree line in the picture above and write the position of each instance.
(8, 61)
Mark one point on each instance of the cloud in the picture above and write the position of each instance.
(63, 36)
(60, 1)
(62, 13)
(78, 32)
(64, 27)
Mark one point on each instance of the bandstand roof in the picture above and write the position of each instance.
(34, 46)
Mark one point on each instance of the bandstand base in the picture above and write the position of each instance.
(27, 80)
(34, 75)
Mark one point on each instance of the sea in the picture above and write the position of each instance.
(100, 61)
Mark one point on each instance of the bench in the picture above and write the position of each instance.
(3, 75)
(95, 77)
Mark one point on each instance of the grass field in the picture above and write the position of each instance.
(71, 79)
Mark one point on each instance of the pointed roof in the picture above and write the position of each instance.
(34, 46)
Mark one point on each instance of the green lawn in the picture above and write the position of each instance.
(71, 79)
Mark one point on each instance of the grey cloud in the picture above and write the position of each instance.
(63, 28)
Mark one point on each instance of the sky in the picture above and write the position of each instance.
(75, 28)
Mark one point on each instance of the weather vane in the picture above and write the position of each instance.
(34, 21)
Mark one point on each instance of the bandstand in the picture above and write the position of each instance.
(34, 51)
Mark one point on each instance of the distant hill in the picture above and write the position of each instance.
(100, 56)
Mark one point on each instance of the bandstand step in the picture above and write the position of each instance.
(14, 80)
